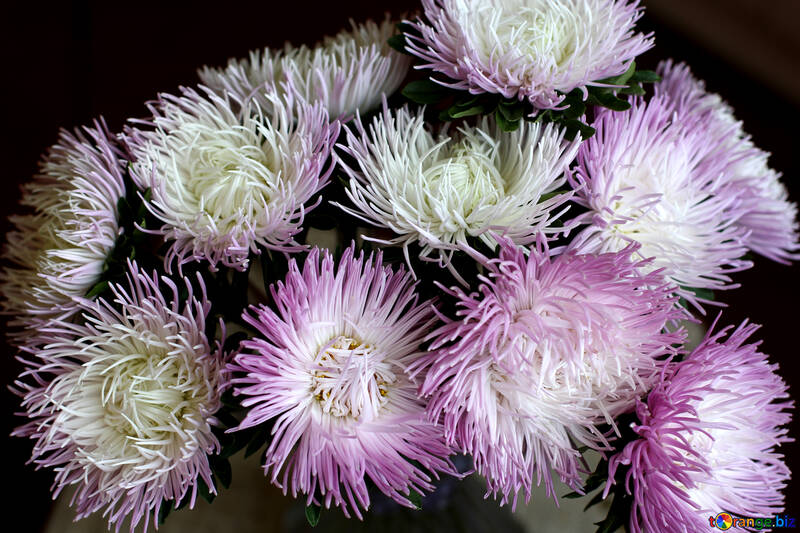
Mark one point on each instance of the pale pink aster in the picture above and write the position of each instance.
(658, 178)
(121, 405)
(438, 190)
(57, 252)
(768, 216)
(329, 368)
(227, 177)
(547, 350)
(707, 442)
(527, 49)
(348, 72)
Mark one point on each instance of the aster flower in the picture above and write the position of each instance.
(656, 178)
(226, 179)
(707, 438)
(57, 252)
(768, 217)
(527, 49)
(329, 369)
(438, 190)
(348, 72)
(121, 405)
(546, 351)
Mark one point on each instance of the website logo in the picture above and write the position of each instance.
(726, 521)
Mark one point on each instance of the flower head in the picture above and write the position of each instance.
(57, 252)
(329, 368)
(121, 405)
(768, 217)
(438, 190)
(225, 180)
(707, 438)
(348, 72)
(527, 49)
(546, 351)
(657, 178)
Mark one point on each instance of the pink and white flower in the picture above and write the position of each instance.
(329, 369)
(527, 49)
(121, 405)
(708, 434)
(546, 351)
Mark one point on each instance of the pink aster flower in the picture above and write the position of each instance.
(527, 49)
(660, 179)
(228, 177)
(707, 438)
(57, 252)
(121, 405)
(768, 217)
(548, 349)
(329, 369)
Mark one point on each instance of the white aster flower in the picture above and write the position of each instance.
(121, 406)
(226, 178)
(347, 73)
(439, 190)
(57, 252)
(527, 49)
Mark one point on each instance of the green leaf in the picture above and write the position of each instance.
(623, 78)
(645, 76)
(504, 123)
(415, 498)
(312, 514)
(594, 501)
(632, 89)
(609, 100)
(258, 441)
(454, 112)
(204, 491)
(221, 468)
(575, 110)
(398, 42)
(163, 512)
(574, 127)
(99, 288)
(424, 92)
(511, 111)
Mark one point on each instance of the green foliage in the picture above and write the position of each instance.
(312, 514)
(509, 113)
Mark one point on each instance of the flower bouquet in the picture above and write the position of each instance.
(463, 243)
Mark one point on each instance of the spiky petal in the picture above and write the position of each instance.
(328, 367)
(660, 179)
(546, 351)
(768, 217)
(57, 252)
(121, 405)
(707, 442)
(347, 73)
(527, 49)
(440, 190)
(227, 177)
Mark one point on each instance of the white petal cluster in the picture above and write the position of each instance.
(348, 72)
(440, 190)
(527, 49)
(123, 404)
(226, 177)
(57, 252)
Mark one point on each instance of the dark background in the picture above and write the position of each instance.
(67, 63)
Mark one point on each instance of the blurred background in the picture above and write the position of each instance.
(67, 63)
